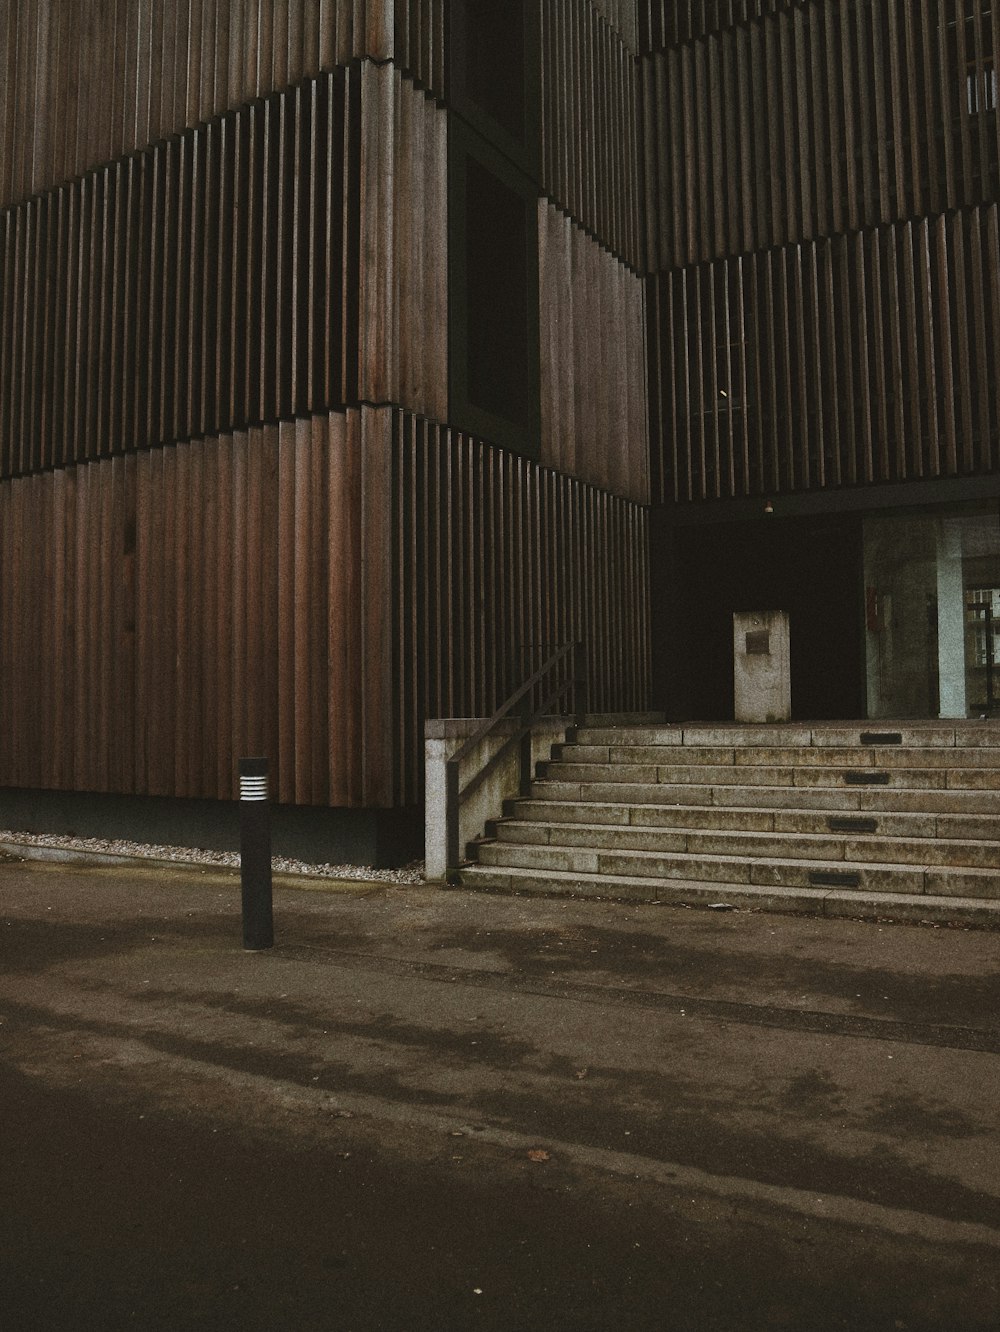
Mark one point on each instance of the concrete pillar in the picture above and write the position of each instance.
(762, 677)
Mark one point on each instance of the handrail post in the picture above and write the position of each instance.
(525, 748)
(580, 683)
(451, 815)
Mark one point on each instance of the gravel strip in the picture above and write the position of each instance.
(413, 873)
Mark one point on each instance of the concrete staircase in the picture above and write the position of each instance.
(900, 820)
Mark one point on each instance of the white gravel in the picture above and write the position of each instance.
(413, 873)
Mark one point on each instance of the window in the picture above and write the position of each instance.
(493, 320)
(981, 87)
(494, 68)
(970, 45)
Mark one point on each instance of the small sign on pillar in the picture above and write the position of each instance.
(761, 666)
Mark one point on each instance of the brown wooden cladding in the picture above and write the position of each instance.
(276, 262)
(85, 84)
(403, 304)
(664, 23)
(863, 358)
(590, 128)
(821, 118)
(171, 610)
(309, 591)
(623, 17)
(593, 360)
(500, 561)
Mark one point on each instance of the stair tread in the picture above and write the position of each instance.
(717, 888)
(664, 788)
(714, 885)
(827, 902)
(783, 833)
(762, 810)
(741, 771)
(769, 756)
(777, 862)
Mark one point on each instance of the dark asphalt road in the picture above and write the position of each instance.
(747, 1122)
(112, 1220)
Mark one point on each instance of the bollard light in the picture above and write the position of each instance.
(255, 855)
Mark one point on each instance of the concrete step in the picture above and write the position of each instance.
(832, 902)
(769, 756)
(914, 779)
(770, 872)
(877, 818)
(865, 848)
(869, 799)
(920, 735)
(979, 827)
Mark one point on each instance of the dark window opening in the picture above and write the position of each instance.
(499, 379)
(493, 294)
(494, 61)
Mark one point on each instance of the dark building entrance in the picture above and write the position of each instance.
(810, 567)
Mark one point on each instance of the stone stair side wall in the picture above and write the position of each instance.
(442, 738)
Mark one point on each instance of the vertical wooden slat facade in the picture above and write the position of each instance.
(134, 72)
(876, 361)
(846, 226)
(236, 512)
(233, 514)
(590, 121)
(867, 113)
(593, 360)
(219, 595)
(306, 277)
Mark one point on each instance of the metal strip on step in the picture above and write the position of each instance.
(835, 879)
(852, 825)
(881, 738)
(866, 778)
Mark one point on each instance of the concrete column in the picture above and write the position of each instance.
(762, 666)
(951, 620)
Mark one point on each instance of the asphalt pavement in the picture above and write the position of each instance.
(426, 1108)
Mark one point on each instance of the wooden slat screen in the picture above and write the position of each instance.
(403, 245)
(623, 17)
(220, 279)
(499, 561)
(819, 119)
(593, 360)
(848, 360)
(167, 611)
(96, 81)
(310, 591)
(664, 23)
(590, 127)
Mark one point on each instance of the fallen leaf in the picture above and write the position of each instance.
(536, 1154)
(581, 1073)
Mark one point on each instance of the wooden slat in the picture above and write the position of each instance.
(285, 774)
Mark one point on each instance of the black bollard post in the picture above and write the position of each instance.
(255, 855)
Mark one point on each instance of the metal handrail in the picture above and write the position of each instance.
(455, 793)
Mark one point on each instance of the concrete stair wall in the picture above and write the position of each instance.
(866, 819)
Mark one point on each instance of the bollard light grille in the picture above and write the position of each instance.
(253, 788)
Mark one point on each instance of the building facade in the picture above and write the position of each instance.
(824, 325)
(355, 353)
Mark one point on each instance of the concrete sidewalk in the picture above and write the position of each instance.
(831, 1079)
